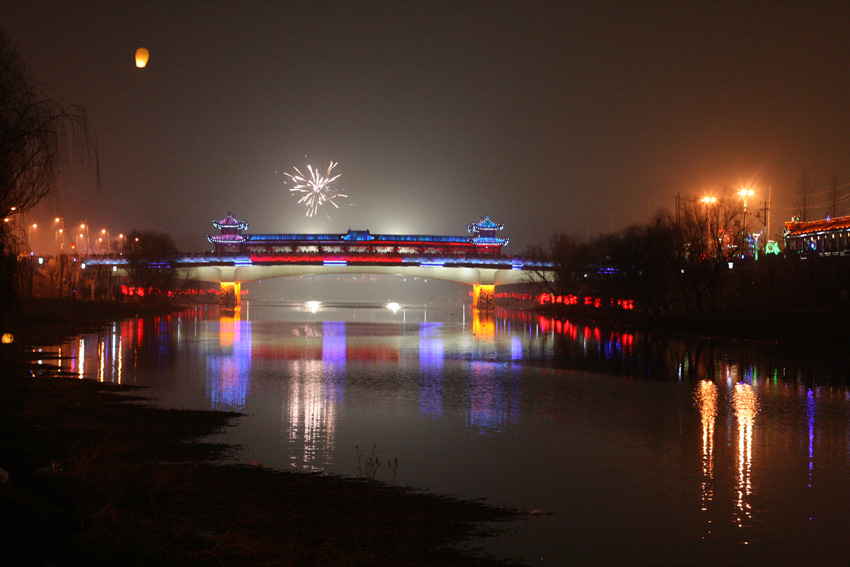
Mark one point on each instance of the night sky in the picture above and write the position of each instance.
(548, 116)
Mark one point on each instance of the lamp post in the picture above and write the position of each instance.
(709, 201)
(60, 233)
(84, 226)
(30, 229)
(745, 193)
(104, 234)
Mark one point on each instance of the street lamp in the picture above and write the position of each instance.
(104, 233)
(60, 233)
(31, 228)
(84, 226)
(745, 193)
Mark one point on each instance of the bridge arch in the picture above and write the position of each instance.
(482, 280)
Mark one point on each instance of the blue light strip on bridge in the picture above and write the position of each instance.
(432, 264)
(335, 263)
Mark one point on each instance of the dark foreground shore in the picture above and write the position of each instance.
(96, 475)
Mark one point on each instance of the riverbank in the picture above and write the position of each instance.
(793, 328)
(46, 320)
(97, 475)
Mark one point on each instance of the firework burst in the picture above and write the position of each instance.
(316, 188)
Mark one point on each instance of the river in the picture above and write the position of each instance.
(641, 451)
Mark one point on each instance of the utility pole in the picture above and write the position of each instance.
(767, 219)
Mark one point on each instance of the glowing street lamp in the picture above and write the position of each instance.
(104, 236)
(745, 194)
(60, 233)
(31, 228)
(84, 226)
(708, 200)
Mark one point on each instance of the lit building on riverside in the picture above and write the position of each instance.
(826, 237)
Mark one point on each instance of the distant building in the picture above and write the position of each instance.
(827, 237)
(483, 242)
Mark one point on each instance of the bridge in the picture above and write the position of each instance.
(239, 258)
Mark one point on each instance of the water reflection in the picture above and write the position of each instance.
(310, 413)
(316, 390)
(706, 398)
(745, 403)
(810, 424)
(431, 355)
(754, 436)
(494, 396)
(229, 366)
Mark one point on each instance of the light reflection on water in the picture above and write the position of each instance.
(647, 451)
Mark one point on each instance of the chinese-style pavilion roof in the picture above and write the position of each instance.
(230, 222)
(484, 224)
(800, 228)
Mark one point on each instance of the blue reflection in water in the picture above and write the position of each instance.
(333, 360)
(810, 422)
(333, 341)
(229, 369)
(431, 354)
(516, 347)
(494, 396)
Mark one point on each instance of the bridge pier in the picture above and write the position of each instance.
(482, 296)
(230, 296)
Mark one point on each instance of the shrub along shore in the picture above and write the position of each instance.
(95, 474)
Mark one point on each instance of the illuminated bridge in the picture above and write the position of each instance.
(239, 258)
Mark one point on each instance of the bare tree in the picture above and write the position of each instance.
(151, 258)
(566, 252)
(647, 256)
(712, 234)
(38, 138)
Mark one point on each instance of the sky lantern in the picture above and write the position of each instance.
(142, 57)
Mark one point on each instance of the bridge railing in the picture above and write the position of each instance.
(242, 259)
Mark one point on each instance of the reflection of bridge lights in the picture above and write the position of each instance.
(393, 306)
(516, 348)
(431, 354)
(313, 306)
(311, 415)
(229, 369)
(333, 341)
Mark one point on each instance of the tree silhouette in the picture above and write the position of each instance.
(39, 136)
